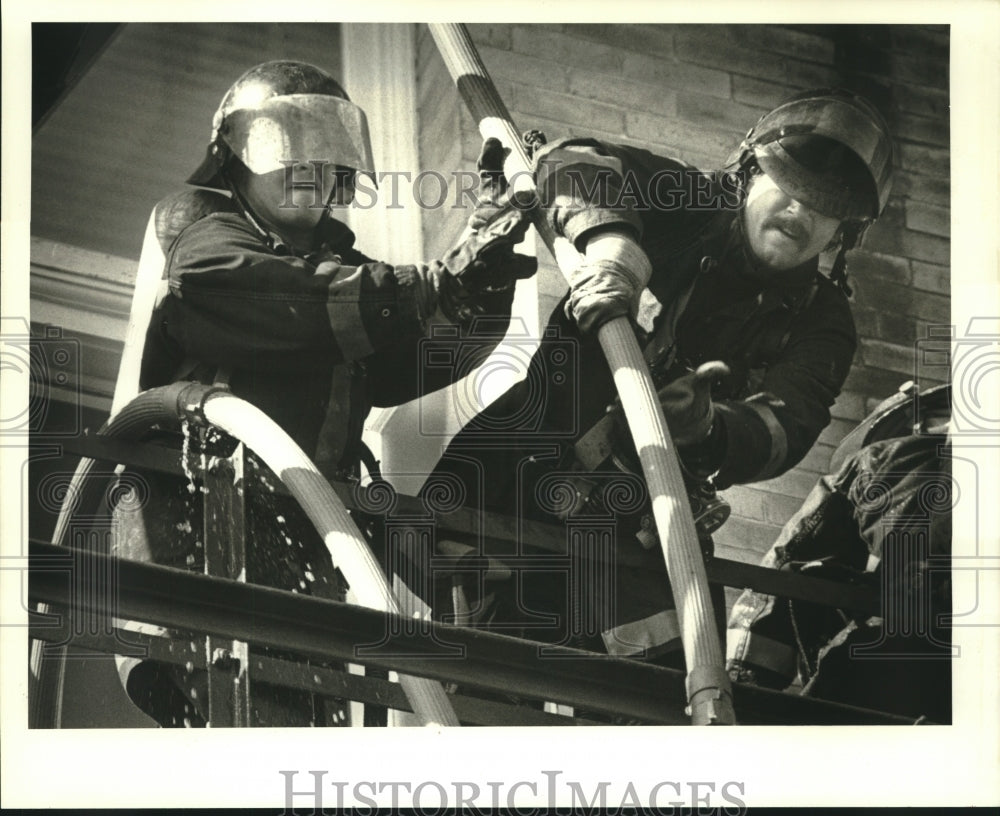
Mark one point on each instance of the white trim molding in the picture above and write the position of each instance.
(379, 65)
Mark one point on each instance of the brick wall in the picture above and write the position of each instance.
(693, 91)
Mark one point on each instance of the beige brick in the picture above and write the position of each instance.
(918, 70)
(892, 216)
(523, 68)
(554, 128)
(898, 328)
(758, 93)
(877, 383)
(779, 509)
(680, 76)
(631, 95)
(731, 552)
(907, 243)
(710, 112)
(550, 43)
(865, 319)
(924, 329)
(883, 236)
(931, 102)
(788, 41)
(671, 132)
(794, 483)
(849, 405)
(817, 462)
(934, 131)
(810, 74)
(742, 534)
(929, 161)
(834, 432)
(932, 277)
(934, 190)
(717, 46)
(746, 502)
(701, 160)
(713, 33)
(491, 34)
(657, 40)
(688, 154)
(889, 356)
(878, 294)
(888, 267)
(927, 248)
(929, 42)
(929, 218)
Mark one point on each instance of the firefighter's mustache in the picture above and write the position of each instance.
(791, 226)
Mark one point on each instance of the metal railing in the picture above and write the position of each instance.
(496, 679)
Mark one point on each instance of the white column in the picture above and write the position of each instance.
(379, 64)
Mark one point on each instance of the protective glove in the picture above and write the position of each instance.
(687, 408)
(687, 403)
(609, 281)
(485, 261)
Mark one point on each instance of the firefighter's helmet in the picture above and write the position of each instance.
(830, 149)
(285, 111)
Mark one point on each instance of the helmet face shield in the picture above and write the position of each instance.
(831, 188)
(831, 150)
(299, 128)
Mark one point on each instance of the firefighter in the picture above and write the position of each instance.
(265, 282)
(268, 295)
(746, 340)
(880, 519)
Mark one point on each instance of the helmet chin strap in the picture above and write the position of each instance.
(851, 234)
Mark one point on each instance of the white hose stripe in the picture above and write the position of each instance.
(348, 548)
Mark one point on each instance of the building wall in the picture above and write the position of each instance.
(693, 91)
(129, 133)
(137, 123)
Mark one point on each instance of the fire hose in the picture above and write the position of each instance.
(171, 404)
(708, 687)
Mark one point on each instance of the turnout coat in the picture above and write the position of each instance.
(788, 339)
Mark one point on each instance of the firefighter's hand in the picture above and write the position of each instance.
(687, 403)
(609, 281)
(485, 260)
(493, 182)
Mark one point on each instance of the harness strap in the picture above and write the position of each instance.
(359, 406)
